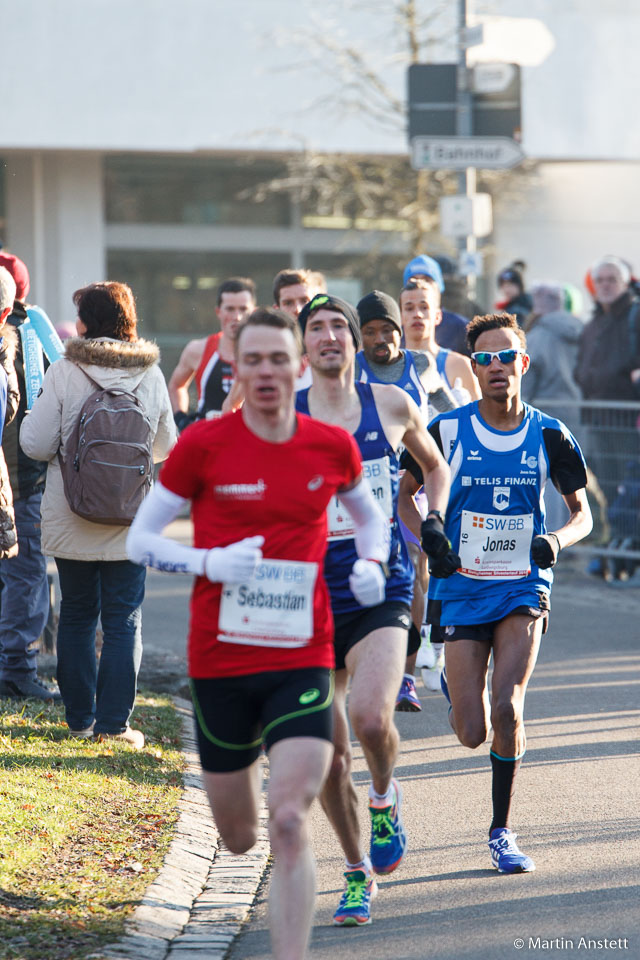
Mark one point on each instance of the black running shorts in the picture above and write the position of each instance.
(351, 628)
(234, 716)
(484, 631)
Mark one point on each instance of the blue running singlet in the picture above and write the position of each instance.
(380, 468)
(495, 509)
(441, 365)
(409, 379)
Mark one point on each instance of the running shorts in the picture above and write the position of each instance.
(352, 627)
(235, 716)
(484, 631)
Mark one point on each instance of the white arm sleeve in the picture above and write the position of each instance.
(373, 534)
(146, 544)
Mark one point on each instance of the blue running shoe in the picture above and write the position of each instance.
(408, 700)
(443, 685)
(354, 909)
(505, 855)
(388, 836)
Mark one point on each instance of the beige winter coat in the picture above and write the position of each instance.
(48, 427)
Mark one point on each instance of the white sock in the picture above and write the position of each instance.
(409, 676)
(364, 864)
(386, 798)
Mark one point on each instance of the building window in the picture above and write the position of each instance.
(216, 191)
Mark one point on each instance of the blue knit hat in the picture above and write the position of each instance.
(425, 267)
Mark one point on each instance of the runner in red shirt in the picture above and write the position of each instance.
(261, 634)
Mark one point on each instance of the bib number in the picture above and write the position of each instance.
(377, 473)
(495, 547)
(272, 609)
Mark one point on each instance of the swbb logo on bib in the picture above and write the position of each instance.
(495, 547)
(272, 609)
(377, 473)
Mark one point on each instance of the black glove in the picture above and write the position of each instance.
(435, 543)
(183, 420)
(444, 567)
(544, 550)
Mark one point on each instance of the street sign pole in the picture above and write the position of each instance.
(466, 179)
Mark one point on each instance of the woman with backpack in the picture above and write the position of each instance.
(102, 419)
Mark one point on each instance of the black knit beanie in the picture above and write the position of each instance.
(379, 306)
(324, 301)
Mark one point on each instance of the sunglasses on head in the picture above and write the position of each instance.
(484, 357)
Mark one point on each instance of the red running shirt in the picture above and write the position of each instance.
(240, 486)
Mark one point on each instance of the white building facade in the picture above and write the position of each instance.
(135, 134)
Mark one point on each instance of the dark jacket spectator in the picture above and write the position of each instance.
(8, 534)
(553, 337)
(610, 350)
(512, 296)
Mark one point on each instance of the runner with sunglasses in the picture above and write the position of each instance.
(496, 598)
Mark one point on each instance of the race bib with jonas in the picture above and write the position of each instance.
(495, 547)
(273, 609)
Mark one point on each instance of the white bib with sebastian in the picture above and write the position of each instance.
(272, 609)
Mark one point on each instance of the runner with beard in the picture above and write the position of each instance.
(370, 645)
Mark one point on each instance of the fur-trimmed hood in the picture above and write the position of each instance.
(105, 352)
(112, 363)
(48, 428)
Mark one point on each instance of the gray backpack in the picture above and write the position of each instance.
(108, 468)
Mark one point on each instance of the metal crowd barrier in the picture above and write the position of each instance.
(609, 433)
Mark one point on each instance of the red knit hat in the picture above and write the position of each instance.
(18, 271)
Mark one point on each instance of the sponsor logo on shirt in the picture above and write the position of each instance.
(474, 455)
(370, 435)
(315, 483)
(241, 491)
(501, 497)
(527, 461)
(465, 481)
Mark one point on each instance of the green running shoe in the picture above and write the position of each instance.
(354, 909)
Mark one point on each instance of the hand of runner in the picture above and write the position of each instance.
(235, 563)
(444, 566)
(367, 583)
(544, 550)
(433, 539)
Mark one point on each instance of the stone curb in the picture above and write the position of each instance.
(202, 895)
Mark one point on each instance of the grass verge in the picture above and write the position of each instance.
(84, 827)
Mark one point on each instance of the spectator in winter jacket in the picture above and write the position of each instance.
(608, 368)
(8, 407)
(511, 294)
(24, 603)
(553, 335)
(96, 578)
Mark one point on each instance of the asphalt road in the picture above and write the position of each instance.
(576, 807)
